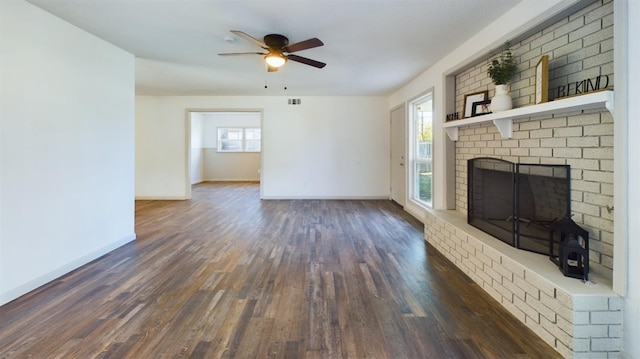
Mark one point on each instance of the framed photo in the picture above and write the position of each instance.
(470, 99)
(542, 80)
(480, 108)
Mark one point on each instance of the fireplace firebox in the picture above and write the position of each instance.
(516, 202)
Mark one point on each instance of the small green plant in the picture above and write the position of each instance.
(501, 69)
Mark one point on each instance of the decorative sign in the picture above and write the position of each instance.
(453, 116)
(581, 87)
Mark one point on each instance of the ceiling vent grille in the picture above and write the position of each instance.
(294, 101)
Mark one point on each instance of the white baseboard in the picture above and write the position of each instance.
(59, 272)
(160, 198)
(356, 198)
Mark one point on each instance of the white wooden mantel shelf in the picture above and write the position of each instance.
(504, 120)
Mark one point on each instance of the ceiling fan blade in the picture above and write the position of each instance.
(250, 39)
(241, 53)
(303, 45)
(306, 61)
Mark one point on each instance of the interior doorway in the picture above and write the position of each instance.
(224, 145)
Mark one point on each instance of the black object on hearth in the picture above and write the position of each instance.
(569, 248)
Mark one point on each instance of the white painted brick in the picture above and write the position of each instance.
(585, 30)
(582, 345)
(615, 303)
(497, 277)
(504, 272)
(484, 276)
(567, 132)
(486, 260)
(515, 311)
(596, 176)
(608, 344)
(581, 318)
(556, 306)
(493, 254)
(527, 309)
(585, 208)
(558, 333)
(540, 283)
(615, 331)
(543, 133)
(564, 324)
(513, 288)
(529, 125)
(543, 333)
(567, 152)
(553, 142)
(473, 276)
(475, 244)
(529, 143)
(598, 153)
(601, 223)
(541, 152)
(579, 163)
(564, 350)
(598, 199)
(606, 317)
(510, 143)
(583, 142)
(564, 298)
(606, 165)
(544, 311)
(520, 152)
(586, 186)
(513, 266)
(583, 120)
(468, 265)
(589, 331)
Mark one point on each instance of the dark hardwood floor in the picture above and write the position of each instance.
(226, 275)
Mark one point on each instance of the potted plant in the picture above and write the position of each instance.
(501, 70)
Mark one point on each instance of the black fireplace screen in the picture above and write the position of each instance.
(516, 203)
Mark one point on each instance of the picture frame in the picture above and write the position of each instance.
(542, 80)
(480, 108)
(469, 99)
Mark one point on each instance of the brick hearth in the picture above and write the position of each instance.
(577, 319)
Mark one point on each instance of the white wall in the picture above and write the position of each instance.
(229, 166)
(327, 147)
(66, 147)
(197, 148)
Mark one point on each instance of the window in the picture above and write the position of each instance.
(237, 139)
(421, 147)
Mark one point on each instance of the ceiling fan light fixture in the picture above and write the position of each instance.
(275, 59)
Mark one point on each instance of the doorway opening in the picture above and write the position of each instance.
(224, 146)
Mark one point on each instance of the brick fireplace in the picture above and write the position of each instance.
(578, 319)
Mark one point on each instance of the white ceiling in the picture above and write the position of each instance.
(372, 47)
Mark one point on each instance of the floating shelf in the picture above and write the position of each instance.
(504, 120)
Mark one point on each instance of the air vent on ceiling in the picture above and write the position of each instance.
(294, 101)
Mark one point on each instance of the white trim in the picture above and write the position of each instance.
(348, 198)
(61, 271)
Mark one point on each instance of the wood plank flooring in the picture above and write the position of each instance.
(226, 275)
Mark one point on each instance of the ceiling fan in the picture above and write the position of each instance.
(278, 50)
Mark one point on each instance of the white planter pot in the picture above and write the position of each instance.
(501, 101)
